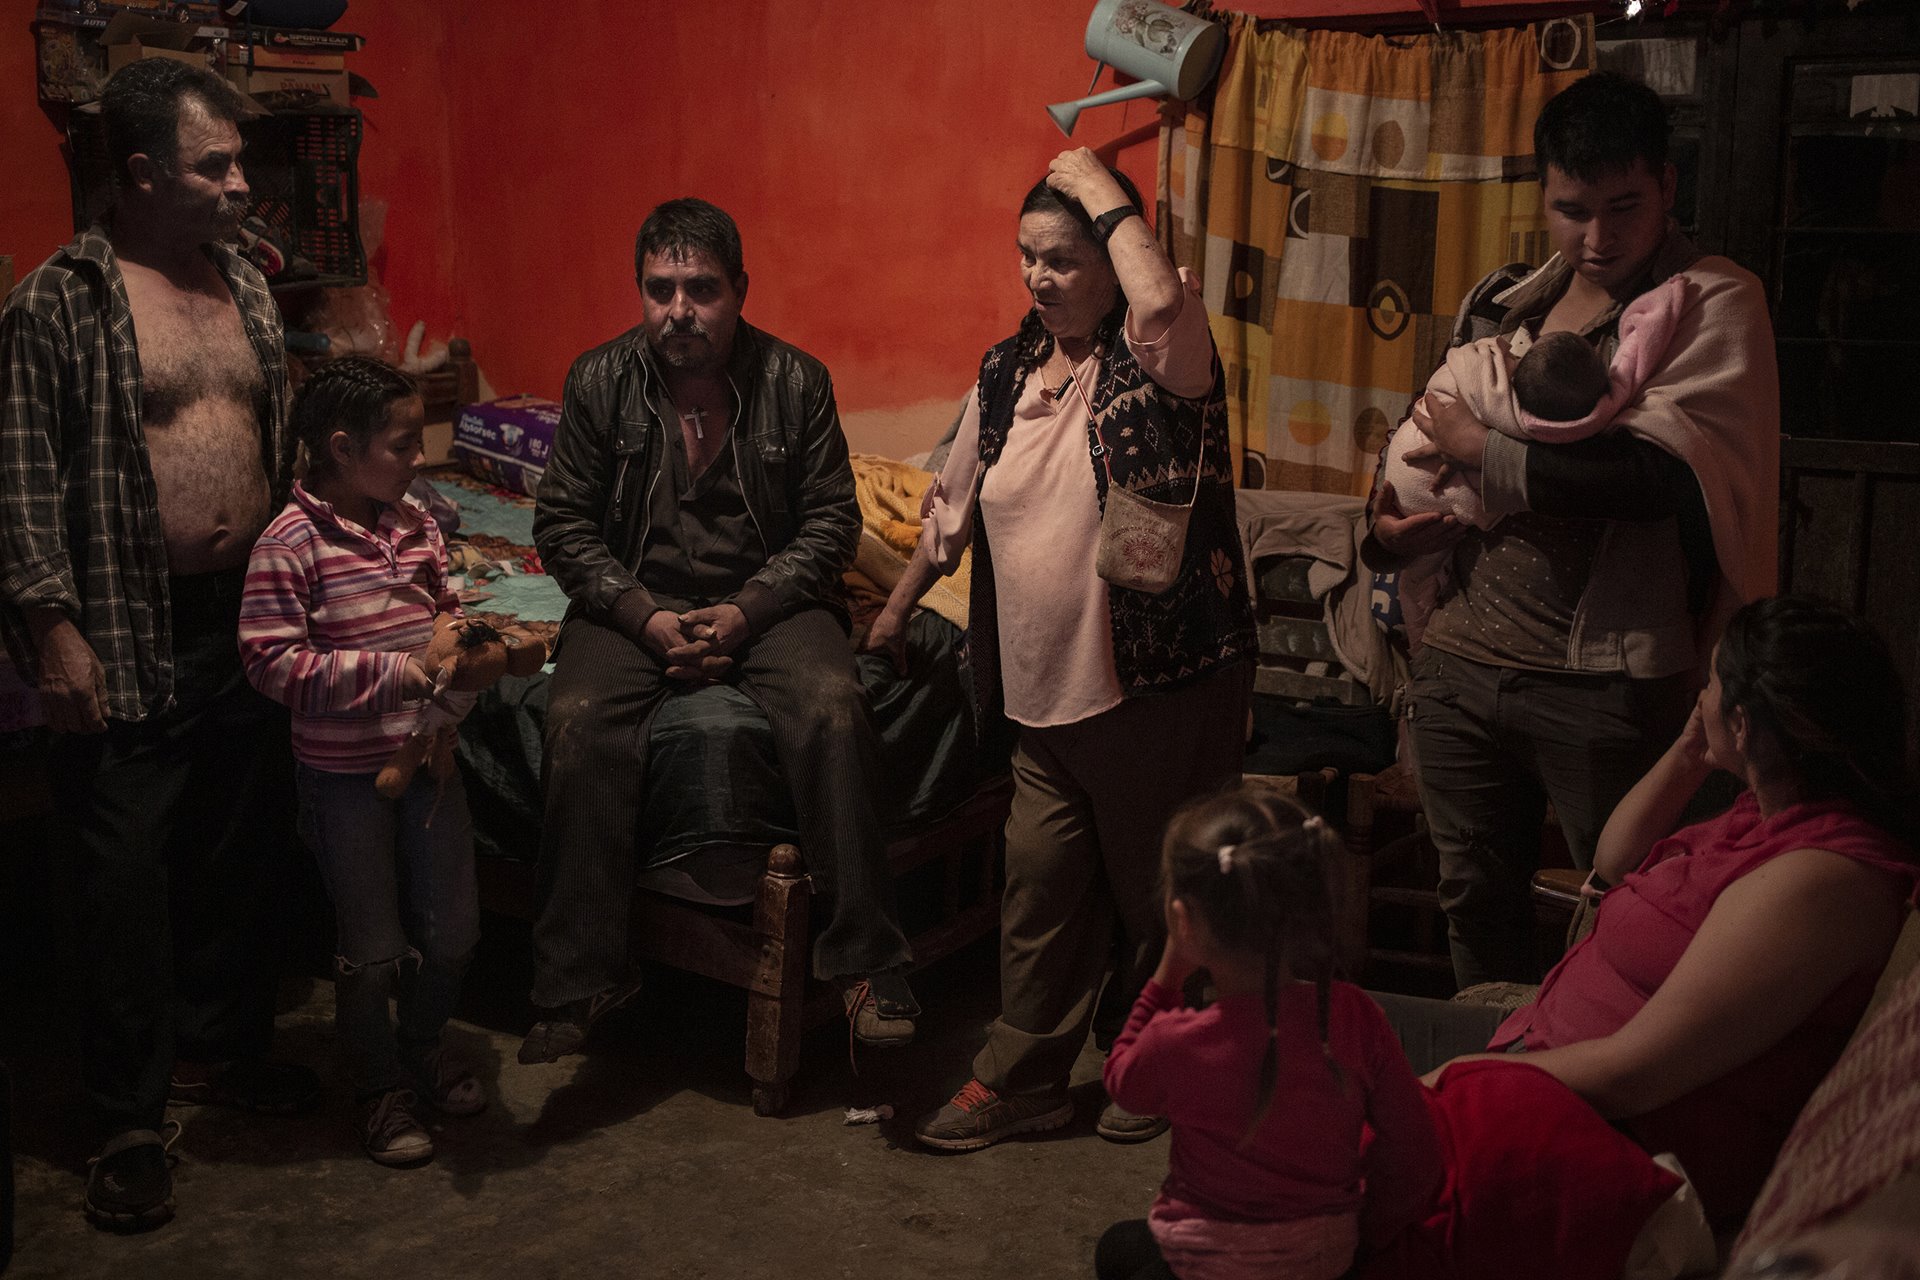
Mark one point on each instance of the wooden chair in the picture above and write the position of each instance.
(1388, 844)
(1394, 869)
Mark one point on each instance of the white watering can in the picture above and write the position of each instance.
(1166, 50)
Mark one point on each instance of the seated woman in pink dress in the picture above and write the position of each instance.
(1731, 961)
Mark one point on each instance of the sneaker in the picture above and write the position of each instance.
(448, 1086)
(1117, 1124)
(130, 1183)
(978, 1117)
(880, 1008)
(391, 1134)
(250, 1084)
(564, 1030)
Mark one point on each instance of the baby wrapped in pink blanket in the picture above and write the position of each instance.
(1557, 392)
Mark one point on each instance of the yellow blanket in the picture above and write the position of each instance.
(890, 493)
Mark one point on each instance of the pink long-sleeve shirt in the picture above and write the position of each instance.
(329, 615)
(1200, 1068)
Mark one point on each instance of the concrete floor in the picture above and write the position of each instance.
(644, 1159)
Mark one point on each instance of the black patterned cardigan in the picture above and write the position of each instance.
(1204, 621)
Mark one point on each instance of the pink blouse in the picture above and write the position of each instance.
(1040, 501)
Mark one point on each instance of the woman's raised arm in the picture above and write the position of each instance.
(1651, 810)
(1148, 279)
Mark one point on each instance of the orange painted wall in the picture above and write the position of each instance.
(404, 160)
(875, 162)
(873, 157)
(406, 180)
(36, 211)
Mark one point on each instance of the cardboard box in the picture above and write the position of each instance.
(507, 441)
(298, 38)
(278, 87)
(296, 59)
(119, 55)
(76, 54)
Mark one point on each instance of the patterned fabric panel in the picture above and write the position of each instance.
(1338, 199)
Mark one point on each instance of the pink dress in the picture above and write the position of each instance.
(1728, 1131)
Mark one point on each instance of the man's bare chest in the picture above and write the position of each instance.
(194, 351)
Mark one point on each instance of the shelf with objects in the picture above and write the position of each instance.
(302, 133)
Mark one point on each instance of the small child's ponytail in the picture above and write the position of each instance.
(1261, 871)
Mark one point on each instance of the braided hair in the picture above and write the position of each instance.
(1261, 872)
(352, 394)
(1035, 345)
(1825, 703)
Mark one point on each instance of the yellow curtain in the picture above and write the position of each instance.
(1338, 199)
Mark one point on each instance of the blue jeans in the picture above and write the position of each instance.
(400, 873)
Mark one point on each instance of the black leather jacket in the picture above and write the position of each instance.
(590, 523)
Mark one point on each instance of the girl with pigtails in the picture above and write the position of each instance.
(1269, 1087)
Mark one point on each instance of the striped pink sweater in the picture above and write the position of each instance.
(331, 613)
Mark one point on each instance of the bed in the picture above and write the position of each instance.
(722, 886)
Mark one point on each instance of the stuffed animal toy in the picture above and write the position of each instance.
(465, 656)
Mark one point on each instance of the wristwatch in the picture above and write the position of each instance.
(1109, 222)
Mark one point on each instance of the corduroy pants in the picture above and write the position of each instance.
(1091, 802)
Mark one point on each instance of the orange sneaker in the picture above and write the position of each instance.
(978, 1117)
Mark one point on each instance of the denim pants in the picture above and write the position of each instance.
(1491, 746)
(174, 830)
(1435, 1032)
(400, 873)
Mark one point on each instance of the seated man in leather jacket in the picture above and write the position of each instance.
(697, 508)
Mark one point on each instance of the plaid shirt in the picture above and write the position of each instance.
(79, 516)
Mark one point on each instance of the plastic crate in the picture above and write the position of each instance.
(304, 172)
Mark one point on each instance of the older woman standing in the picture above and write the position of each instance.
(1129, 700)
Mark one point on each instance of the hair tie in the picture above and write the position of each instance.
(1315, 823)
(1226, 858)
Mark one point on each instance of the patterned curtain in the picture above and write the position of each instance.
(1338, 198)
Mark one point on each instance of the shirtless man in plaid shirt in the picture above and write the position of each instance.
(143, 447)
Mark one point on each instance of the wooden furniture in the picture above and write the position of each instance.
(1396, 874)
(765, 949)
(1795, 162)
(454, 385)
(1848, 512)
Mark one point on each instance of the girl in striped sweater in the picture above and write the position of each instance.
(341, 595)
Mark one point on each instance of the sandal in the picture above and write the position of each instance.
(130, 1183)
